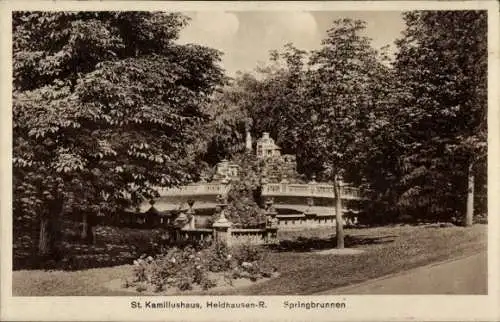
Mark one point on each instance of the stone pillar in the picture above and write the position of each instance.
(191, 214)
(222, 230)
(310, 204)
(310, 215)
(284, 184)
(313, 184)
(271, 222)
(192, 223)
(248, 141)
(222, 226)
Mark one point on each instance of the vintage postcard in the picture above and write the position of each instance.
(325, 161)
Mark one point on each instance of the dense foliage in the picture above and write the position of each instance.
(199, 266)
(245, 206)
(244, 202)
(442, 66)
(428, 143)
(410, 128)
(105, 106)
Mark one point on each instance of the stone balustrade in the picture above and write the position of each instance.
(312, 220)
(193, 234)
(309, 190)
(270, 189)
(196, 190)
(226, 235)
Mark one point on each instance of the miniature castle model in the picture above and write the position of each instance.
(266, 148)
(226, 170)
(277, 166)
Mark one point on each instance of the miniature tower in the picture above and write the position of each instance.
(248, 141)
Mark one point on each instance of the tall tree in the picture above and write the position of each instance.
(442, 64)
(339, 102)
(105, 107)
(376, 168)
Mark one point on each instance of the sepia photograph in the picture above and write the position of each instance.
(181, 154)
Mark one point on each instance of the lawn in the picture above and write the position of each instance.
(387, 250)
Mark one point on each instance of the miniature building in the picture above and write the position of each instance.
(277, 166)
(226, 170)
(266, 147)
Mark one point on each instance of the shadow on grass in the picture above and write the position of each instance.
(306, 244)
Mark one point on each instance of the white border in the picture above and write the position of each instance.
(366, 307)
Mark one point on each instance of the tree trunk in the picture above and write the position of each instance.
(50, 233)
(339, 224)
(469, 215)
(87, 228)
(44, 241)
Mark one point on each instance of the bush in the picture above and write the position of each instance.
(181, 268)
(247, 253)
(244, 196)
(184, 268)
(218, 257)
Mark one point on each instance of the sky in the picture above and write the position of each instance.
(246, 37)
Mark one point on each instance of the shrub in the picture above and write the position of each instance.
(247, 252)
(179, 267)
(244, 195)
(218, 257)
(186, 267)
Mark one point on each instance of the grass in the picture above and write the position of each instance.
(67, 283)
(387, 250)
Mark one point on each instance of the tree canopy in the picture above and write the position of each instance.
(411, 128)
(105, 107)
(441, 66)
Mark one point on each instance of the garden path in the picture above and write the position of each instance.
(467, 275)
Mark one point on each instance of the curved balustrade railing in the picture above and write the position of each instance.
(270, 189)
(305, 190)
(195, 189)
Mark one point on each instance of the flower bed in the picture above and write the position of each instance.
(199, 267)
